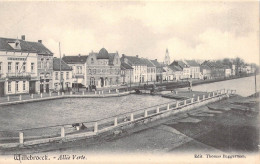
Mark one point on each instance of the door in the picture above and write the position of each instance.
(2, 89)
(67, 86)
(41, 88)
(102, 81)
(32, 87)
(47, 88)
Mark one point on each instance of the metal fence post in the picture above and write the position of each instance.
(41, 95)
(185, 102)
(8, 98)
(168, 106)
(83, 93)
(20, 97)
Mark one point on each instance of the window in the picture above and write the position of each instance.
(42, 65)
(67, 75)
(32, 67)
(9, 86)
(17, 86)
(17, 67)
(9, 67)
(47, 64)
(1, 70)
(79, 70)
(24, 85)
(61, 75)
(24, 66)
(56, 75)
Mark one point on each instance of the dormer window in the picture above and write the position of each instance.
(92, 61)
(15, 44)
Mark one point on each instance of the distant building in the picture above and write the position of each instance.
(205, 72)
(126, 73)
(194, 68)
(25, 67)
(159, 70)
(151, 70)
(176, 71)
(186, 72)
(103, 69)
(45, 66)
(139, 68)
(167, 60)
(78, 65)
(62, 75)
(228, 71)
(217, 69)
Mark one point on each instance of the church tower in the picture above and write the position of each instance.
(167, 60)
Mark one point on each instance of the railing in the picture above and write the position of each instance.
(86, 129)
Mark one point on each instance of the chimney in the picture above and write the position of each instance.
(23, 37)
(123, 55)
(40, 41)
(137, 56)
(155, 59)
(79, 55)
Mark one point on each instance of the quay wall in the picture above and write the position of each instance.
(62, 96)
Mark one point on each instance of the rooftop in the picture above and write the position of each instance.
(24, 46)
(125, 66)
(64, 66)
(192, 63)
(80, 59)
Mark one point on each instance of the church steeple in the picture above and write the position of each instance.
(167, 60)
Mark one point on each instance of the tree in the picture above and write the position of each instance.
(238, 63)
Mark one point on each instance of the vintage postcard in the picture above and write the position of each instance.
(129, 82)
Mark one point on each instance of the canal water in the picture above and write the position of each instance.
(67, 111)
(243, 86)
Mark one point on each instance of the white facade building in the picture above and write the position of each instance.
(18, 67)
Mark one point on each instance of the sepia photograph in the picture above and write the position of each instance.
(129, 81)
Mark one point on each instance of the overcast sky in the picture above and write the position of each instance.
(206, 30)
